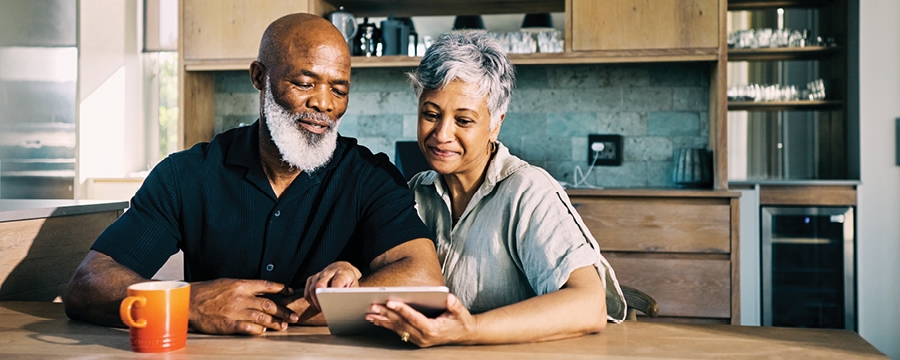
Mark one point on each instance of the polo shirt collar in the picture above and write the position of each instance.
(244, 152)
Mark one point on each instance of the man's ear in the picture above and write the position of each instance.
(258, 75)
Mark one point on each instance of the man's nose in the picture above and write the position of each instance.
(320, 100)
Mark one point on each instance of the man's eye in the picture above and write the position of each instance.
(304, 86)
(339, 93)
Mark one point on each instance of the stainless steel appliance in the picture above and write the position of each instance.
(808, 263)
(345, 22)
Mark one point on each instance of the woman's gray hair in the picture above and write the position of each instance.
(473, 57)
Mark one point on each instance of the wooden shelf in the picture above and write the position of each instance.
(569, 57)
(362, 8)
(784, 105)
(768, 54)
(768, 4)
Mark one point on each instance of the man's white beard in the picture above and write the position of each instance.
(300, 148)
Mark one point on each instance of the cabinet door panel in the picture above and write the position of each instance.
(39, 256)
(682, 287)
(644, 24)
(230, 29)
(657, 225)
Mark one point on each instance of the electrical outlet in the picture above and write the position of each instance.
(608, 149)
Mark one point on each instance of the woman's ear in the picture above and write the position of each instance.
(496, 131)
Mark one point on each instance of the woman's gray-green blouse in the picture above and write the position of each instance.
(519, 237)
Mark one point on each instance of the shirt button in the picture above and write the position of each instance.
(277, 213)
(270, 267)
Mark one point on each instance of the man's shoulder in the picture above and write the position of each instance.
(361, 157)
(215, 148)
(354, 151)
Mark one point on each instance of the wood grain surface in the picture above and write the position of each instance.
(644, 24)
(227, 29)
(32, 330)
(658, 225)
(39, 256)
(843, 195)
(697, 287)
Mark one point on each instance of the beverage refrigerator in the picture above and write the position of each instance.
(808, 267)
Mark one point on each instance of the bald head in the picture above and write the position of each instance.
(295, 34)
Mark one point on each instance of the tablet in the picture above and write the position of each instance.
(345, 309)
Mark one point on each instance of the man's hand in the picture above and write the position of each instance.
(229, 306)
(338, 274)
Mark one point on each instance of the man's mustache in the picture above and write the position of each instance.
(314, 116)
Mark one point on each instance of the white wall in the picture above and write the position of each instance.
(878, 246)
(109, 116)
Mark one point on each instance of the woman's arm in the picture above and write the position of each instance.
(578, 308)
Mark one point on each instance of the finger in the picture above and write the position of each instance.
(343, 279)
(263, 319)
(386, 318)
(227, 327)
(310, 292)
(455, 307)
(248, 328)
(407, 313)
(323, 278)
(277, 313)
(401, 323)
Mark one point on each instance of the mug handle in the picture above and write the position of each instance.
(352, 21)
(125, 311)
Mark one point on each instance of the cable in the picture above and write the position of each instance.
(585, 176)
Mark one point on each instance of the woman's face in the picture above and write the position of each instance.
(454, 129)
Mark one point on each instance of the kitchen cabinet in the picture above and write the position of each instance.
(219, 35)
(681, 247)
(43, 242)
(230, 29)
(645, 25)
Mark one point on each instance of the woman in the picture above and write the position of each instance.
(519, 261)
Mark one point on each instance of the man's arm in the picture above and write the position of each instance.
(97, 288)
(413, 263)
(223, 306)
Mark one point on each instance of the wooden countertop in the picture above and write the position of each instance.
(670, 193)
(41, 330)
(12, 210)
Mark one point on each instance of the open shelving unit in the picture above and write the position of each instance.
(829, 64)
(784, 105)
(791, 53)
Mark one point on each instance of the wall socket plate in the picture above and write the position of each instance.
(610, 149)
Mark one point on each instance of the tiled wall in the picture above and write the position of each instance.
(656, 107)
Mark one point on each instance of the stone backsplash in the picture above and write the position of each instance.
(655, 107)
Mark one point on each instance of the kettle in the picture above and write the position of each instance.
(345, 22)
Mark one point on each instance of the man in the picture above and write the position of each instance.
(281, 204)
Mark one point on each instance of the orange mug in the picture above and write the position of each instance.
(157, 313)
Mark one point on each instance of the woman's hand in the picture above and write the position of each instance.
(455, 326)
(338, 274)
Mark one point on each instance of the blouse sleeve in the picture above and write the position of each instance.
(551, 241)
(548, 241)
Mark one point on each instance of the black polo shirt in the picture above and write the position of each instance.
(214, 202)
